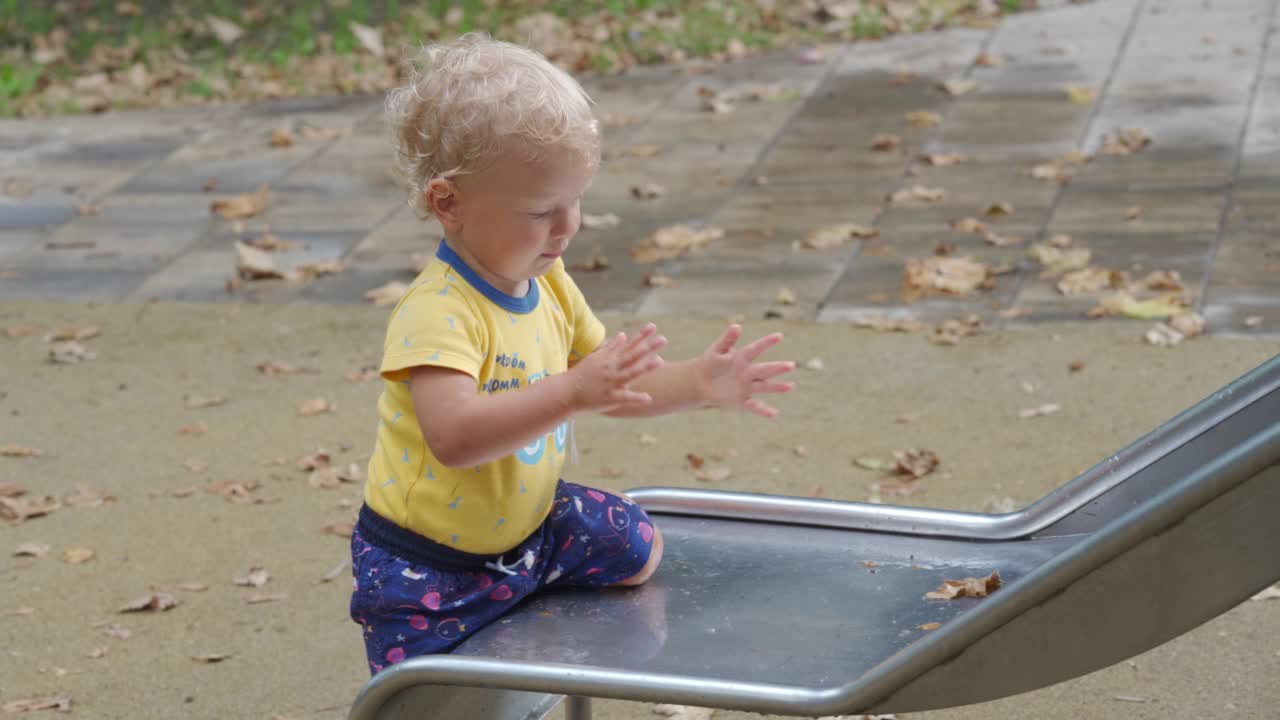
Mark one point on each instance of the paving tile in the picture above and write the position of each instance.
(13, 242)
(36, 211)
(1242, 315)
(68, 283)
(874, 283)
(1169, 210)
(933, 54)
(1069, 34)
(394, 242)
(1011, 127)
(1159, 167)
(721, 288)
(199, 276)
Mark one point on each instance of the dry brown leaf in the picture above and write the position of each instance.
(334, 573)
(918, 192)
(987, 60)
(370, 38)
(31, 549)
(17, 331)
(240, 207)
(69, 353)
(714, 474)
(273, 368)
(316, 406)
(1092, 279)
(968, 587)
(884, 142)
(281, 137)
(1125, 142)
(785, 297)
(150, 602)
(341, 529)
(885, 323)
(595, 264)
(194, 429)
(74, 333)
(209, 658)
(648, 191)
(61, 703)
(1122, 303)
(922, 118)
(953, 330)
(328, 478)
(942, 159)
(12, 488)
(77, 555)
(1080, 94)
(201, 401)
(993, 238)
(364, 374)
(225, 30)
(20, 509)
(915, 462)
(695, 460)
(997, 209)
(1055, 260)
(1045, 409)
(658, 280)
(1169, 280)
(954, 275)
(1161, 335)
(958, 87)
(256, 577)
(1190, 324)
(1134, 212)
(1253, 321)
(929, 626)
(673, 241)
(258, 598)
(255, 264)
(388, 294)
(968, 224)
(600, 222)
(232, 490)
(85, 497)
(269, 242)
(98, 652)
(19, 451)
(315, 461)
(830, 236)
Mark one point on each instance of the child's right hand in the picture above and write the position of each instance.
(600, 380)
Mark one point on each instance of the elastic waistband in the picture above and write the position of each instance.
(409, 545)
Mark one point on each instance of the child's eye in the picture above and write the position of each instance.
(542, 215)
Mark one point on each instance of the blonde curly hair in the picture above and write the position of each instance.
(462, 98)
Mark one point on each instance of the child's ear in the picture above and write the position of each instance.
(442, 198)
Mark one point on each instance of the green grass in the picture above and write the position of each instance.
(280, 35)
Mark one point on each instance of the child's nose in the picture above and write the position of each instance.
(566, 224)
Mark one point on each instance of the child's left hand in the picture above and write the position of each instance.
(728, 378)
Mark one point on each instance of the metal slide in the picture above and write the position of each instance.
(762, 602)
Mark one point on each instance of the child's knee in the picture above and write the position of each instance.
(650, 565)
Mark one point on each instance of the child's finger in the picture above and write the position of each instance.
(638, 369)
(726, 341)
(760, 408)
(764, 371)
(637, 353)
(762, 386)
(630, 397)
(752, 351)
(639, 337)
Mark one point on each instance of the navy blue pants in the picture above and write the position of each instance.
(414, 597)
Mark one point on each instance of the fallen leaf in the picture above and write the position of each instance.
(281, 137)
(1080, 94)
(117, 631)
(1190, 324)
(364, 374)
(152, 601)
(61, 703)
(829, 236)
(870, 463)
(256, 577)
(98, 652)
(1134, 212)
(1055, 261)
(370, 38)
(922, 118)
(341, 529)
(193, 587)
(1161, 335)
(274, 368)
(993, 238)
(953, 330)
(998, 209)
(388, 294)
(648, 191)
(201, 401)
(194, 429)
(255, 264)
(968, 224)
(74, 333)
(785, 297)
(18, 509)
(714, 474)
(1045, 409)
(258, 598)
(918, 192)
(269, 242)
(78, 555)
(1122, 303)
(85, 497)
(683, 712)
(1089, 280)
(17, 331)
(600, 222)
(695, 460)
(210, 658)
(639, 151)
(987, 60)
(1125, 142)
(915, 462)
(1015, 312)
(968, 587)
(334, 573)
(69, 353)
(328, 478)
(884, 142)
(673, 241)
(595, 264)
(232, 490)
(19, 451)
(942, 159)
(226, 31)
(31, 549)
(1253, 321)
(886, 323)
(929, 626)
(1170, 280)
(658, 280)
(316, 406)
(958, 87)
(814, 364)
(240, 207)
(953, 275)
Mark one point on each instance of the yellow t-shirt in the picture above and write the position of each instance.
(451, 317)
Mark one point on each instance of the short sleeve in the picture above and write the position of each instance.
(433, 324)
(588, 331)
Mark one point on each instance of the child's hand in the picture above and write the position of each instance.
(600, 380)
(729, 378)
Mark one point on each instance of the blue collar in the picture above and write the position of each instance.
(522, 305)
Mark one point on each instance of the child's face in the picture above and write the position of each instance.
(516, 216)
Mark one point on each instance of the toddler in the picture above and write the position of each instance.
(491, 353)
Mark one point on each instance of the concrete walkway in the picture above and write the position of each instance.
(1201, 77)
